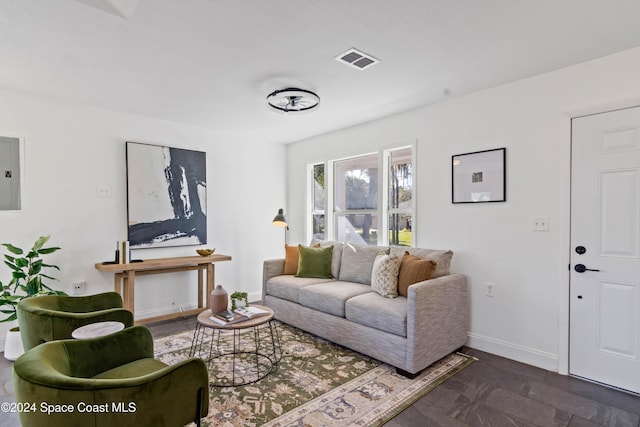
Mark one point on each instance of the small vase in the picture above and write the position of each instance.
(219, 299)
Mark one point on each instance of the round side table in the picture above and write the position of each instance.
(95, 330)
(238, 353)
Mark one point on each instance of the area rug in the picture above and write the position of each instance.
(316, 383)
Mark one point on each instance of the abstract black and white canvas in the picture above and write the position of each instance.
(166, 196)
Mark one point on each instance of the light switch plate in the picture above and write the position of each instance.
(540, 223)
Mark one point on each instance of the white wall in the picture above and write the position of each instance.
(527, 318)
(71, 150)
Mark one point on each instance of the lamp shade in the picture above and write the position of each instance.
(279, 219)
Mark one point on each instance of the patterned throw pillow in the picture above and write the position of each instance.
(413, 270)
(384, 276)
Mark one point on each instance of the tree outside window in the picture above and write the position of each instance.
(319, 201)
(400, 197)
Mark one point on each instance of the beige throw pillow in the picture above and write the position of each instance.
(413, 270)
(384, 276)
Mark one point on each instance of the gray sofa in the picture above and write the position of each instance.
(409, 333)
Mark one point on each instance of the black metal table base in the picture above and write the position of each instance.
(254, 352)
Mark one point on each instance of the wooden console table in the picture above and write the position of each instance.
(125, 276)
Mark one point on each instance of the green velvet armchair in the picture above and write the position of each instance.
(108, 381)
(54, 317)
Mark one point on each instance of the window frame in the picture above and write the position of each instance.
(311, 207)
(387, 159)
(335, 214)
(383, 209)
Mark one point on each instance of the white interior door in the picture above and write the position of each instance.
(605, 241)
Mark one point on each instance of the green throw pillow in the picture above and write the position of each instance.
(315, 262)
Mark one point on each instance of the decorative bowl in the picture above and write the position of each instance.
(205, 252)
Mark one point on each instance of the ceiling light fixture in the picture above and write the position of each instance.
(293, 100)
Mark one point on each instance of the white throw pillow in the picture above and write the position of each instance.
(384, 276)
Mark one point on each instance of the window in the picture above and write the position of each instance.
(400, 203)
(318, 201)
(355, 205)
(362, 196)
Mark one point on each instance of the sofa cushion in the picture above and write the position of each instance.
(357, 262)
(413, 270)
(373, 310)
(288, 287)
(384, 277)
(331, 297)
(291, 258)
(337, 253)
(315, 262)
(442, 258)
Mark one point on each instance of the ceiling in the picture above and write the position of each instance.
(211, 63)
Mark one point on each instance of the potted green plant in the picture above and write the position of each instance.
(239, 296)
(27, 280)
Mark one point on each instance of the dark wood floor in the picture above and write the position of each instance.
(493, 391)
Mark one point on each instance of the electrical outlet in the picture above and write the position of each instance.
(79, 288)
(103, 192)
(540, 223)
(489, 289)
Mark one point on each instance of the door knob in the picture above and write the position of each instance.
(580, 268)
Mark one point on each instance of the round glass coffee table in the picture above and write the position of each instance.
(238, 353)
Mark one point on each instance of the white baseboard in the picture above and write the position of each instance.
(141, 314)
(255, 296)
(516, 352)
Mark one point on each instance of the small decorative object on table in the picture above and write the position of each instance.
(239, 296)
(219, 299)
(205, 252)
(226, 317)
(250, 312)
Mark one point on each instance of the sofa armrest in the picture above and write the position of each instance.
(271, 268)
(437, 319)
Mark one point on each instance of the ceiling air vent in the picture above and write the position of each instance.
(357, 59)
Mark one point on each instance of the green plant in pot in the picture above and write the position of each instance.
(27, 276)
(239, 296)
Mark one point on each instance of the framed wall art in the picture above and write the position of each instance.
(166, 196)
(479, 177)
